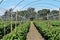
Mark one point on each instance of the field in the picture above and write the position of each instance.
(29, 20)
(50, 33)
(5, 28)
(20, 34)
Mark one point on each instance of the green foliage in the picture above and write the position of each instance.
(44, 12)
(7, 28)
(50, 33)
(20, 34)
(2, 24)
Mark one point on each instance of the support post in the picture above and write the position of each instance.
(4, 25)
(59, 14)
(48, 20)
(10, 11)
(16, 20)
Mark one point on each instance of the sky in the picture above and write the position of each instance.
(37, 4)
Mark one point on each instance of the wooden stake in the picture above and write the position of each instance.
(17, 16)
(47, 17)
(48, 21)
(59, 14)
(11, 20)
(16, 20)
(4, 24)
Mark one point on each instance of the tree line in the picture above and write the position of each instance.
(44, 14)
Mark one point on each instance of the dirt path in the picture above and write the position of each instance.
(33, 33)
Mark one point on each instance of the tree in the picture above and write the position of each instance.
(54, 14)
(43, 13)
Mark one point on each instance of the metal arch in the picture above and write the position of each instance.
(47, 4)
(44, 3)
(30, 3)
(56, 0)
(1, 1)
(17, 4)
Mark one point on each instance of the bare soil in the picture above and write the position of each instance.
(33, 33)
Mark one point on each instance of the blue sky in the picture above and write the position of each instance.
(40, 4)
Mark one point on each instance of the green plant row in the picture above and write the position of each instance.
(2, 24)
(20, 34)
(6, 23)
(50, 33)
(7, 29)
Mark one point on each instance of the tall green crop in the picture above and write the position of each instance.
(20, 34)
(50, 33)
